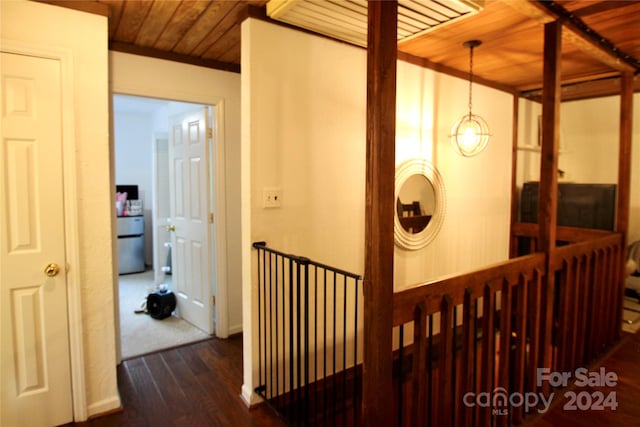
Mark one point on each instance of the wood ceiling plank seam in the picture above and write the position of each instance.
(599, 8)
(207, 47)
(156, 22)
(183, 18)
(611, 20)
(116, 15)
(226, 28)
(207, 21)
(232, 55)
(133, 15)
(530, 9)
(225, 47)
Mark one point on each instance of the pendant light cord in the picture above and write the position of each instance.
(470, 76)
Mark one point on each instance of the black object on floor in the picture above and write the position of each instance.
(160, 304)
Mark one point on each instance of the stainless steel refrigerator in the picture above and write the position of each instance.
(130, 244)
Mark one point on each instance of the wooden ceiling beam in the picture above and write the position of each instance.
(172, 56)
(605, 86)
(577, 33)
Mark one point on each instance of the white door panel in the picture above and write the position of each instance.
(36, 373)
(189, 195)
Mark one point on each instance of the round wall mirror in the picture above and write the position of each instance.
(420, 204)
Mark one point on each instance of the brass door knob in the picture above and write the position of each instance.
(52, 270)
(171, 228)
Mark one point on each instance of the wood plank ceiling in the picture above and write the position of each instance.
(208, 33)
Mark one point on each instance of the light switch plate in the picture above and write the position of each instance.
(271, 197)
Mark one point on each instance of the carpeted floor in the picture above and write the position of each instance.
(631, 315)
(140, 333)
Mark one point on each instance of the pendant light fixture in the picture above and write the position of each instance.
(470, 134)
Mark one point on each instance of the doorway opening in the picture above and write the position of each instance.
(142, 170)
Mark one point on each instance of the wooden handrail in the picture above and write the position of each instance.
(581, 248)
(498, 341)
(431, 292)
(564, 233)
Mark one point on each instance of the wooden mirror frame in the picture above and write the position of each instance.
(405, 170)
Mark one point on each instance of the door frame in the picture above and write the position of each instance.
(217, 165)
(70, 206)
(157, 267)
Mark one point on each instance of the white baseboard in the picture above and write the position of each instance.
(235, 329)
(104, 406)
(249, 397)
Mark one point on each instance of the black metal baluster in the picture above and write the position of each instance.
(298, 343)
(306, 342)
(262, 360)
(277, 357)
(355, 353)
(324, 342)
(344, 350)
(294, 398)
(284, 334)
(270, 314)
(334, 348)
(315, 345)
(291, 343)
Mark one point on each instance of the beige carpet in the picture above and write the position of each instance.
(631, 315)
(140, 333)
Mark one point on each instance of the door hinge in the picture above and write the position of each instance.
(209, 132)
(213, 300)
(211, 218)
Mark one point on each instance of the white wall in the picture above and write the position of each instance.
(142, 76)
(83, 37)
(133, 137)
(590, 130)
(304, 131)
(475, 231)
(589, 144)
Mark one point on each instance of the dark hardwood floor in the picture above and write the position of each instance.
(624, 360)
(194, 385)
(199, 385)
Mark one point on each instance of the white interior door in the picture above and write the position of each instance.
(190, 219)
(36, 372)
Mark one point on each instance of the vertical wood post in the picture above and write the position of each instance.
(624, 160)
(513, 240)
(548, 189)
(379, 211)
(624, 181)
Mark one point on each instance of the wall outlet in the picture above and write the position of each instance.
(271, 197)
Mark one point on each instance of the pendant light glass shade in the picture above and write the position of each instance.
(470, 134)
